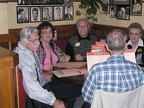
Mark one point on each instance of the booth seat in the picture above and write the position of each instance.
(22, 94)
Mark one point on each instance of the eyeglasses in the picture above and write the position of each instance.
(136, 34)
(80, 26)
(34, 41)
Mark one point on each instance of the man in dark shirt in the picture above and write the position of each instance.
(79, 44)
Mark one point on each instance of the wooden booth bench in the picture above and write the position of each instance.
(9, 41)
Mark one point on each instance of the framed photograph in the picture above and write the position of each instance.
(112, 11)
(23, 2)
(123, 12)
(136, 7)
(47, 13)
(45, 2)
(68, 2)
(58, 13)
(68, 12)
(122, 2)
(104, 7)
(35, 14)
(22, 14)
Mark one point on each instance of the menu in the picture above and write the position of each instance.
(71, 65)
(99, 54)
(65, 69)
(69, 72)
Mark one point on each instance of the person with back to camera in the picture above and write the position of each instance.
(35, 83)
(135, 41)
(115, 74)
(50, 54)
(80, 43)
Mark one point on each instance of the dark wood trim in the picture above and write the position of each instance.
(16, 0)
(64, 32)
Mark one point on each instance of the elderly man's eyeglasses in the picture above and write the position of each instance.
(34, 41)
(136, 34)
(80, 26)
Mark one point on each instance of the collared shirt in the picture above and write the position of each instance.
(114, 75)
(31, 85)
(140, 43)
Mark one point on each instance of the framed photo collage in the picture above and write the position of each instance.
(122, 9)
(44, 10)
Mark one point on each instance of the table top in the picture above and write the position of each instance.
(78, 79)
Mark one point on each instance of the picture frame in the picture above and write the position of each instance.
(35, 13)
(22, 14)
(46, 2)
(136, 8)
(23, 2)
(104, 9)
(58, 13)
(47, 13)
(123, 12)
(68, 2)
(112, 11)
(69, 12)
(122, 2)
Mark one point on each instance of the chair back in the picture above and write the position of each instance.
(130, 99)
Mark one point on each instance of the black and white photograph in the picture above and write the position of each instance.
(68, 12)
(35, 13)
(47, 13)
(123, 12)
(104, 7)
(45, 2)
(68, 2)
(22, 14)
(112, 11)
(136, 7)
(121, 2)
(58, 13)
(23, 2)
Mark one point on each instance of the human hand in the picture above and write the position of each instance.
(58, 104)
(79, 57)
(48, 75)
(67, 58)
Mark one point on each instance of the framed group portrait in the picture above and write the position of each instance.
(58, 13)
(136, 7)
(23, 2)
(47, 13)
(123, 12)
(22, 14)
(112, 11)
(104, 7)
(45, 2)
(68, 2)
(121, 2)
(68, 12)
(35, 14)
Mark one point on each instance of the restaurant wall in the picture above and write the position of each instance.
(8, 18)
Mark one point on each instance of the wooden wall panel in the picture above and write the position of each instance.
(64, 32)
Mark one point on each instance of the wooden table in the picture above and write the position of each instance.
(78, 79)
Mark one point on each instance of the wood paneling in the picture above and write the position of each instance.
(63, 31)
(16, 0)
(8, 79)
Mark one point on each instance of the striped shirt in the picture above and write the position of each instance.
(114, 75)
(79, 45)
